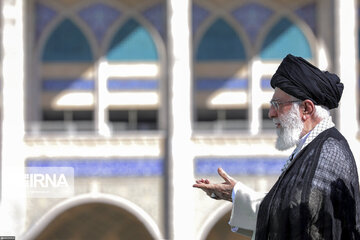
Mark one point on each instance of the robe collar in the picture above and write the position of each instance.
(323, 125)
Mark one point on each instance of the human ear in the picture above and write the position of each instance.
(308, 109)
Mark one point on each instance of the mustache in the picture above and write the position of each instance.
(276, 121)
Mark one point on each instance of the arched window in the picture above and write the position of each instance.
(67, 93)
(220, 42)
(284, 38)
(67, 44)
(220, 79)
(132, 43)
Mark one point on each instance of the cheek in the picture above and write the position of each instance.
(303, 117)
(282, 115)
(285, 111)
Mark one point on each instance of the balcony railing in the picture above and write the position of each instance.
(60, 127)
(226, 126)
(222, 126)
(83, 127)
(89, 127)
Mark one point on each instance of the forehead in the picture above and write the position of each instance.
(280, 95)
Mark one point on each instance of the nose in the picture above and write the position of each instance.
(272, 112)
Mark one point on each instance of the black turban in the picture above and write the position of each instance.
(300, 79)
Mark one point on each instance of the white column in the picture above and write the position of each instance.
(181, 225)
(33, 114)
(101, 99)
(345, 62)
(325, 35)
(12, 208)
(255, 99)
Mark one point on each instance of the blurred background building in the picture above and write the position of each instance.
(142, 97)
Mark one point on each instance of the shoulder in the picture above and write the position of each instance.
(335, 159)
(331, 141)
(334, 143)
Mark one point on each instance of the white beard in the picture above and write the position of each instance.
(290, 129)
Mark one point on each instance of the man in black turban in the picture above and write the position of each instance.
(317, 194)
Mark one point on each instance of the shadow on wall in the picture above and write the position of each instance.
(221, 230)
(95, 221)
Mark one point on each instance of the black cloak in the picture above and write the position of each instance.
(317, 197)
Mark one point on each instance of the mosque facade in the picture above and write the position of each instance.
(140, 98)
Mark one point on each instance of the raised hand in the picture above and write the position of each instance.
(218, 190)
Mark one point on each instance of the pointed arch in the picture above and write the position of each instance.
(220, 42)
(99, 16)
(43, 16)
(252, 16)
(199, 14)
(132, 42)
(67, 43)
(285, 37)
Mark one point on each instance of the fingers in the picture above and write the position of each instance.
(204, 186)
(205, 181)
(224, 175)
(220, 190)
(207, 187)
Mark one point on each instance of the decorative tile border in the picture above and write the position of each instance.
(156, 15)
(252, 17)
(204, 84)
(265, 83)
(199, 14)
(105, 167)
(50, 85)
(99, 17)
(43, 16)
(132, 84)
(308, 14)
(239, 166)
(155, 167)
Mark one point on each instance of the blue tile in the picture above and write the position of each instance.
(308, 14)
(220, 43)
(199, 15)
(67, 43)
(265, 83)
(204, 84)
(252, 17)
(99, 17)
(67, 84)
(132, 42)
(105, 167)
(132, 84)
(157, 16)
(44, 16)
(239, 166)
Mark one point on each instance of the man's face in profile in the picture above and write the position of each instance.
(286, 116)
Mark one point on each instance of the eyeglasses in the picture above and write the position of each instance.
(276, 104)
